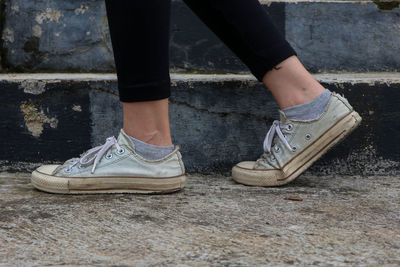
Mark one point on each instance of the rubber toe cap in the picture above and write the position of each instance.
(246, 165)
(47, 169)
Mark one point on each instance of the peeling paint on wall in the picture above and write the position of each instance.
(37, 31)
(77, 108)
(33, 87)
(15, 8)
(81, 10)
(49, 15)
(34, 120)
(8, 35)
(52, 36)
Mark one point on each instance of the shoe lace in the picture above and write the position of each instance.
(94, 155)
(276, 129)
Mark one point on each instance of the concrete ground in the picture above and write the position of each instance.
(338, 221)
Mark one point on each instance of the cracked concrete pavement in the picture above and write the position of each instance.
(340, 221)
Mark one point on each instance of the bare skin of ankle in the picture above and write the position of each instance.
(148, 121)
(291, 84)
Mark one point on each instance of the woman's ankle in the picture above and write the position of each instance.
(291, 84)
(148, 121)
(155, 137)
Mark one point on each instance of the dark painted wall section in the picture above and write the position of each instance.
(72, 36)
(344, 36)
(371, 149)
(217, 124)
(43, 121)
(68, 36)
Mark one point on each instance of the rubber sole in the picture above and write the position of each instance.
(106, 185)
(302, 161)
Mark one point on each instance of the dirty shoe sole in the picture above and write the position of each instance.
(98, 185)
(246, 175)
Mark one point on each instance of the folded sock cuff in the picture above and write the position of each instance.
(151, 152)
(309, 110)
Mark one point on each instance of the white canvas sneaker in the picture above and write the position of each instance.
(114, 167)
(291, 146)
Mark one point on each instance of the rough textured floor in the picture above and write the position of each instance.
(340, 221)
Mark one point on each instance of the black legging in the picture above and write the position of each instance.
(140, 38)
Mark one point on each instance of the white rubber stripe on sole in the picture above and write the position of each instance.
(71, 185)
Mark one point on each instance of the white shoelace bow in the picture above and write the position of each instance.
(94, 155)
(276, 128)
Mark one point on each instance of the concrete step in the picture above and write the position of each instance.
(329, 36)
(217, 119)
(341, 221)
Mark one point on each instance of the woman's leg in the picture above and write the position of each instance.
(247, 29)
(148, 121)
(140, 38)
(312, 119)
(142, 159)
(291, 84)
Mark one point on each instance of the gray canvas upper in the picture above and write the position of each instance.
(128, 163)
(301, 133)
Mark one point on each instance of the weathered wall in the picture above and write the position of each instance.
(344, 36)
(72, 36)
(56, 36)
(218, 120)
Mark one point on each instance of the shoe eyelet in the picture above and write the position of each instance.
(272, 158)
(80, 167)
(289, 127)
(308, 136)
(277, 149)
(67, 170)
(109, 156)
(120, 152)
(294, 149)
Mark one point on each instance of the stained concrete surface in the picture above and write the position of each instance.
(341, 221)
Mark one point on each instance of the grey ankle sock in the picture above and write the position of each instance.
(151, 152)
(310, 110)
